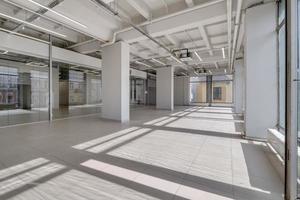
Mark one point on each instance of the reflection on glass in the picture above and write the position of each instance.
(219, 89)
(222, 92)
(77, 92)
(24, 90)
(198, 92)
(137, 91)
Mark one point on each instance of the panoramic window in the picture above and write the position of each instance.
(219, 89)
(281, 65)
(217, 93)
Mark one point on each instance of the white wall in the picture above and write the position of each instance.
(115, 82)
(239, 86)
(181, 90)
(24, 46)
(261, 72)
(165, 88)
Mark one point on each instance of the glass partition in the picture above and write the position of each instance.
(216, 90)
(198, 89)
(76, 90)
(222, 89)
(137, 91)
(24, 89)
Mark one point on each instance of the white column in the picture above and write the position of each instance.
(115, 79)
(239, 86)
(165, 88)
(261, 70)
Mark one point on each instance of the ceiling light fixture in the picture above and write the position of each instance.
(22, 35)
(57, 13)
(216, 65)
(223, 52)
(3, 52)
(36, 64)
(157, 61)
(176, 59)
(32, 25)
(141, 63)
(198, 56)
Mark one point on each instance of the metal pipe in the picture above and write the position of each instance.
(116, 14)
(239, 26)
(229, 24)
(236, 31)
(22, 35)
(53, 20)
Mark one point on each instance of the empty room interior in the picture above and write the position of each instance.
(149, 99)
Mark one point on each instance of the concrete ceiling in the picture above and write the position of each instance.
(202, 26)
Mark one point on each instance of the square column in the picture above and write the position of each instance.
(115, 79)
(239, 86)
(165, 88)
(260, 70)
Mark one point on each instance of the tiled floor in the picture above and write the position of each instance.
(21, 116)
(191, 153)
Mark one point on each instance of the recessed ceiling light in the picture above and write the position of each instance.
(57, 13)
(157, 61)
(176, 59)
(198, 56)
(223, 52)
(36, 64)
(3, 52)
(141, 63)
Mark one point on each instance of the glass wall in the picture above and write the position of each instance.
(76, 90)
(151, 90)
(24, 89)
(137, 91)
(222, 89)
(198, 89)
(215, 90)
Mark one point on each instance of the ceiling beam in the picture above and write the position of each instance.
(205, 38)
(87, 46)
(141, 7)
(36, 16)
(189, 3)
(173, 40)
(138, 53)
(207, 13)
